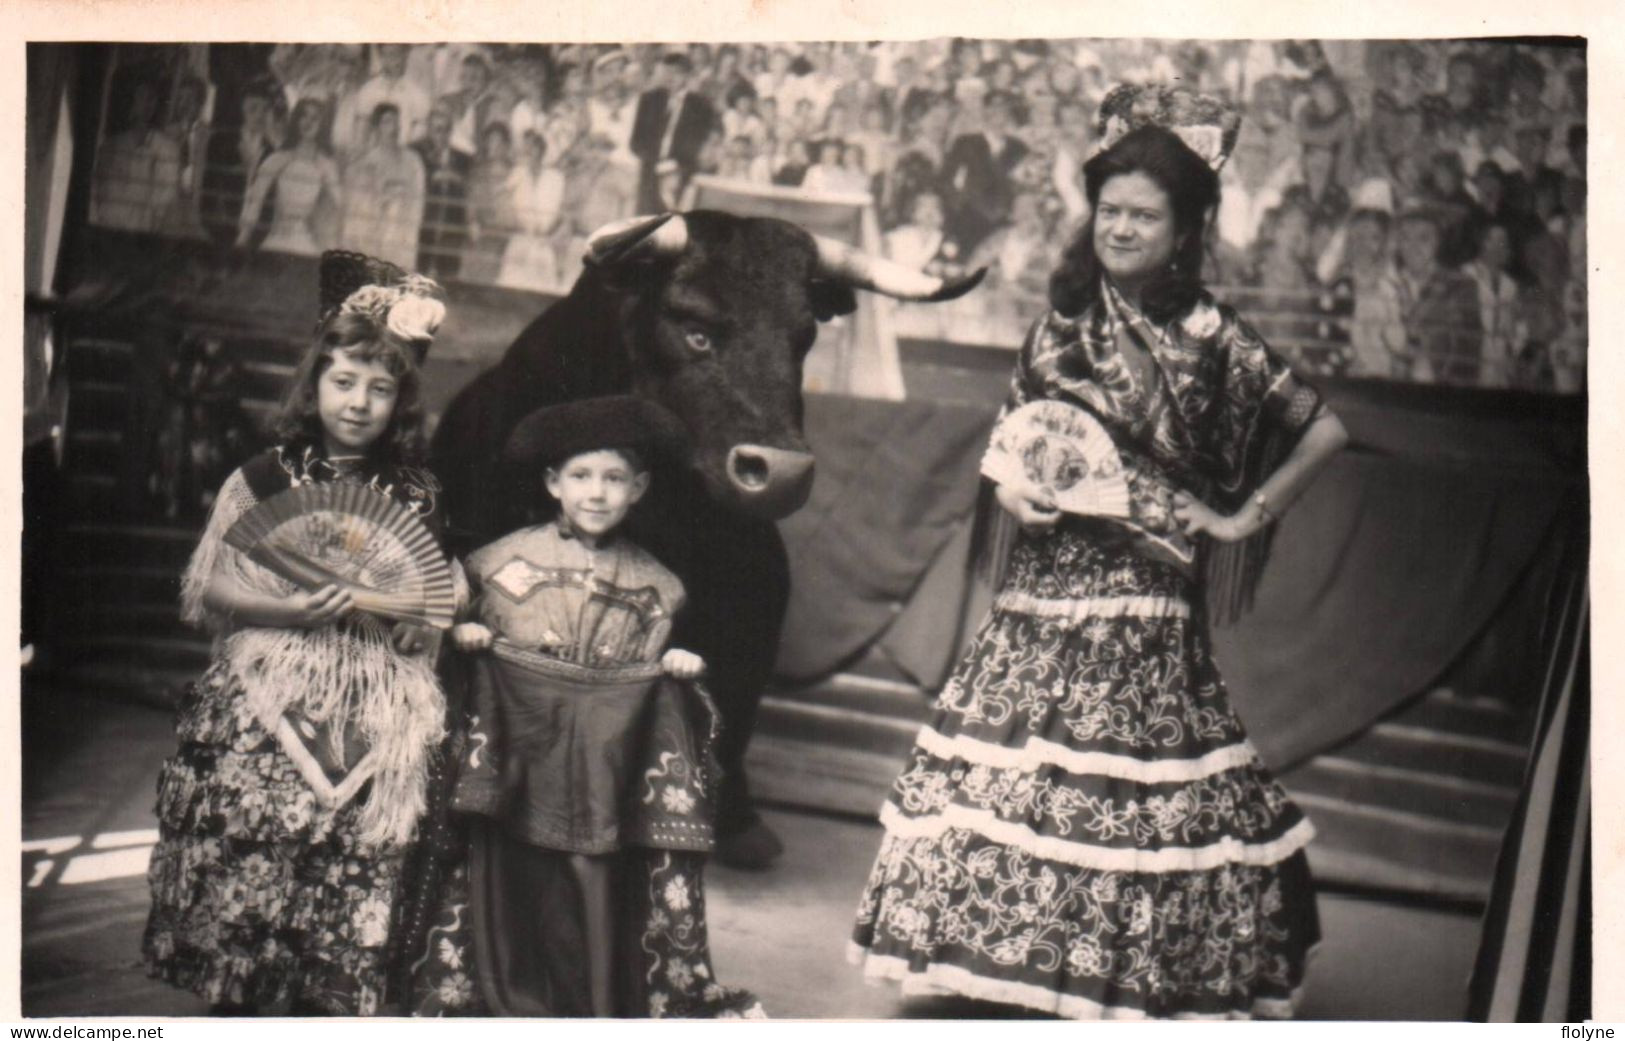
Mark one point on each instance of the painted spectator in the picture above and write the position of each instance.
(1530, 143)
(774, 82)
(912, 174)
(1566, 355)
(741, 120)
(1281, 256)
(303, 177)
(536, 194)
(1500, 306)
(235, 155)
(191, 132)
(1459, 110)
(1444, 189)
(612, 111)
(1377, 329)
(741, 163)
(384, 191)
(976, 174)
(1396, 107)
(137, 168)
(919, 243)
(1323, 201)
(446, 170)
(1269, 128)
(1017, 255)
(471, 104)
(1326, 120)
(1247, 193)
(826, 173)
(969, 86)
(1439, 306)
(673, 121)
(879, 146)
(1545, 258)
(797, 161)
(392, 86)
(493, 217)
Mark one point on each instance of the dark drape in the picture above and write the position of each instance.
(1534, 958)
(1435, 535)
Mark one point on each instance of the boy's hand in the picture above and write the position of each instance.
(683, 665)
(471, 636)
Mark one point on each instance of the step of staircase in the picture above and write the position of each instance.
(140, 619)
(110, 545)
(137, 654)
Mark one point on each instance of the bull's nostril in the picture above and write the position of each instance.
(750, 470)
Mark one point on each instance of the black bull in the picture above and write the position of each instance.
(710, 315)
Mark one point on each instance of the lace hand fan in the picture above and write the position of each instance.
(1062, 451)
(350, 536)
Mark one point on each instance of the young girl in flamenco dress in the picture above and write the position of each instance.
(278, 860)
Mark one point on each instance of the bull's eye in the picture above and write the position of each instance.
(698, 341)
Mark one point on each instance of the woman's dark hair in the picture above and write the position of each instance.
(295, 135)
(298, 423)
(1193, 191)
(382, 109)
(499, 128)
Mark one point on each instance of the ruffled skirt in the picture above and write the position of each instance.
(1083, 827)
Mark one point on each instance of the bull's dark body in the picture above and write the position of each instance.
(612, 335)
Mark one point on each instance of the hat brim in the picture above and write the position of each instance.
(552, 435)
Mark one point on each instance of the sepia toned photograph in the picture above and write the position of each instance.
(950, 528)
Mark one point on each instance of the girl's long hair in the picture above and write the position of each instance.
(298, 423)
(1193, 192)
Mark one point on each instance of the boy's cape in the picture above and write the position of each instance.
(587, 760)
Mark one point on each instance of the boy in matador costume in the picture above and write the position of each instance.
(586, 774)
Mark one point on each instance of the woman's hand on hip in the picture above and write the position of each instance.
(1196, 517)
(1034, 510)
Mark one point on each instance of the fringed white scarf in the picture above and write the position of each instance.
(349, 676)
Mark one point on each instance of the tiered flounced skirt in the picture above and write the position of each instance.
(1083, 827)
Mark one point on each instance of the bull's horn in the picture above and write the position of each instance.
(839, 262)
(665, 234)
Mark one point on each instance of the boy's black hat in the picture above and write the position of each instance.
(551, 435)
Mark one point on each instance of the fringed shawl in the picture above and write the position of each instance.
(1219, 414)
(348, 677)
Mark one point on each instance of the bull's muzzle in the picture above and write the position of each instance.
(770, 482)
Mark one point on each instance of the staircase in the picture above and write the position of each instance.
(113, 616)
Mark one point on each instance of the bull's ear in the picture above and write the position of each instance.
(830, 299)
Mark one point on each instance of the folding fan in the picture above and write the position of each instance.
(350, 536)
(1064, 451)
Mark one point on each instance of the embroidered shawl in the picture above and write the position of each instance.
(1219, 412)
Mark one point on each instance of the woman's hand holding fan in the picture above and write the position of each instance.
(1050, 458)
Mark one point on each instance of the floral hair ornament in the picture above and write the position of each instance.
(1207, 125)
(409, 306)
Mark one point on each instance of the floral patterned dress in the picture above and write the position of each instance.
(263, 893)
(573, 741)
(1083, 827)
